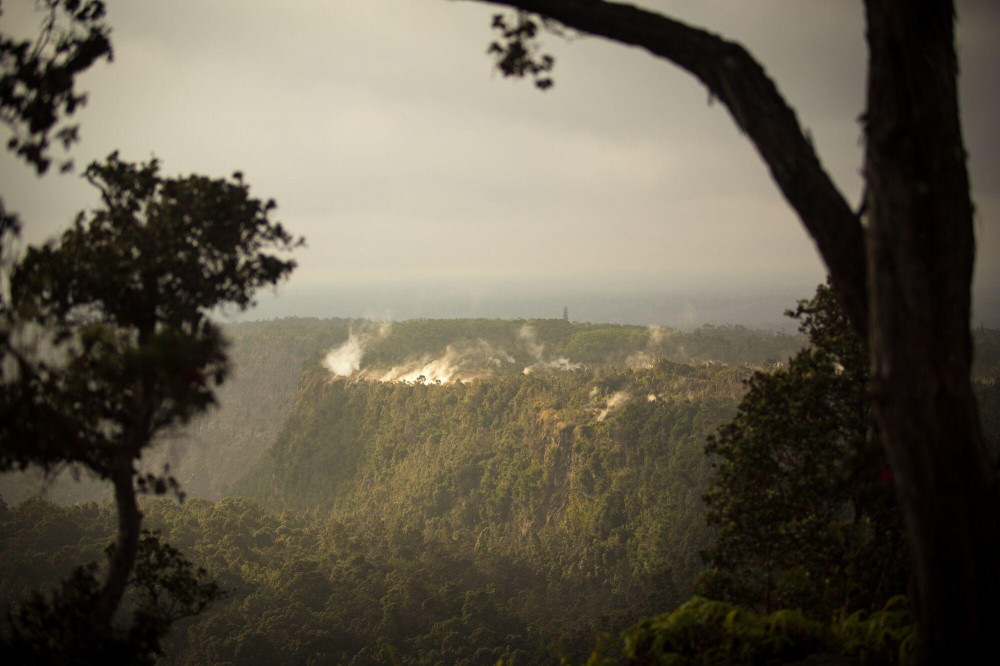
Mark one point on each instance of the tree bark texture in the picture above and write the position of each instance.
(904, 282)
(921, 251)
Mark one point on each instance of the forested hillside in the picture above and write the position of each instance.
(437, 491)
(508, 515)
(268, 358)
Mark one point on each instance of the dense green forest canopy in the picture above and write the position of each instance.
(507, 531)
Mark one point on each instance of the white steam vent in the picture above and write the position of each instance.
(344, 360)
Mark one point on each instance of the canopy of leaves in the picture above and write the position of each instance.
(105, 342)
(458, 524)
(704, 632)
(802, 499)
(117, 311)
(38, 76)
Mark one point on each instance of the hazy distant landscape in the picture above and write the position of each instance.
(499, 332)
(270, 358)
(433, 490)
(656, 303)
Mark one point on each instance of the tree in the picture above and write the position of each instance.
(37, 77)
(106, 343)
(903, 277)
(38, 88)
(801, 497)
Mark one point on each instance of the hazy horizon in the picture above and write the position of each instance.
(612, 304)
(427, 185)
(388, 141)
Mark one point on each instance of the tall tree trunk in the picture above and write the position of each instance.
(124, 551)
(920, 257)
(905, 282)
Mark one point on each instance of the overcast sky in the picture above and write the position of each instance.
(391, 145)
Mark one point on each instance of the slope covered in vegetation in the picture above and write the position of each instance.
(386, 517)
(514, 515)
(268, 358)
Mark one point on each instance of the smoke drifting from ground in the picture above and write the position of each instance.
(429, 370)
(640, 360)
(344, 360)
(561, 363)
(464, 360)
(617, 399)
(537, 350)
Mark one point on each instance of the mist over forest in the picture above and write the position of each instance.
(270, 358)
(441, 490)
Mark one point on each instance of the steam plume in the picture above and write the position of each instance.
(344, 360)
(537, 349)
(617, 399)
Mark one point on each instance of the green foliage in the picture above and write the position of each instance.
(886, 636)
(584, 512)
(705, 632)
(715, 632)
(312, 588)
(267, 359)
(607, 344)
(55, 627)
(168, 587)
(453, 520)
(123, 296)
(458, 524)
(160, 253)
(308, 588)
(594, 345)
(802, 499)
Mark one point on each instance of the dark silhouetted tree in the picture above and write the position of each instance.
(57, 627)
(106, 343)
(38, 76)
(801, 497)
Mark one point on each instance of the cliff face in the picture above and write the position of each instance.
(268, 358)
(606, 463)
